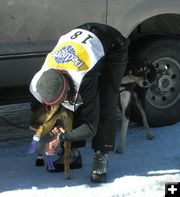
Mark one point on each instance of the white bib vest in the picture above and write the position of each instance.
(77, 52)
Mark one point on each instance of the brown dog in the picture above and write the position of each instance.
(43, 121)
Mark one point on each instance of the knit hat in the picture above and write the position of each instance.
(52, 86)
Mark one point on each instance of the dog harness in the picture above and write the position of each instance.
(128, 87)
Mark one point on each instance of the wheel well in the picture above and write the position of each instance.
(163, 24)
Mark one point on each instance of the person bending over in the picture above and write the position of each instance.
(83, 73)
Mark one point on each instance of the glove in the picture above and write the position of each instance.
(33, 144)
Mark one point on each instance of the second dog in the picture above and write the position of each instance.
(133, 84)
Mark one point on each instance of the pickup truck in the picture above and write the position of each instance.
(29, 29)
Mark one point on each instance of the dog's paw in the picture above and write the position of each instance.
(50, 165)
(150, 137)
(67, 175)
(32, 146)
(119, 150)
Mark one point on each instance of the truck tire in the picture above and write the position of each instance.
(162, 100)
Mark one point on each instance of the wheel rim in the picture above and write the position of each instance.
(164, 91)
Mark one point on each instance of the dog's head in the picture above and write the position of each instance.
(143, 75)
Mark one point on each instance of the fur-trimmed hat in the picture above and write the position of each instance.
(52, 86)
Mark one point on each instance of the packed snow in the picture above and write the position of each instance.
(141, 171)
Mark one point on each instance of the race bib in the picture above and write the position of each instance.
(69, 56)
(77, 50)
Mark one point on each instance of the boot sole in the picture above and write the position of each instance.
(98, 178)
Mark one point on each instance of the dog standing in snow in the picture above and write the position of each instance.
(133, 85)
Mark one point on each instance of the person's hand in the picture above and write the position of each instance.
(51, 146)
(54, 132)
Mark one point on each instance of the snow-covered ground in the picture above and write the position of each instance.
(141, 171)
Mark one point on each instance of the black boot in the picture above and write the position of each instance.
(98, 174)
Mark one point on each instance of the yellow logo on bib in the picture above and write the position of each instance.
(70, 56)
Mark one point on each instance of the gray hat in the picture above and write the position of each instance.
(52, 86)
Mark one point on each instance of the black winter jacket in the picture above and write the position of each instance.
(87, 115)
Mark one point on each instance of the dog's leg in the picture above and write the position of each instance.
(125, 98)
(46, 126)
(150, 136)
(67, 118)
(42, 130)
(40, 134)
(40, 150)
(35, 141)
(67, 152)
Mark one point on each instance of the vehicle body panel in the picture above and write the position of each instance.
(126, 15)
(33, 26)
